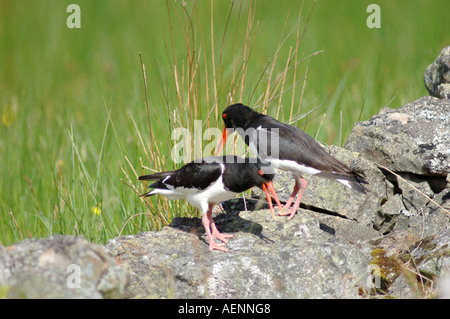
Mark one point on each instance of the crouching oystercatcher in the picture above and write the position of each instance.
(287, 148)
(205, 182)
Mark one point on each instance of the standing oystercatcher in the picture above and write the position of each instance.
(288, 148)
(205, 182)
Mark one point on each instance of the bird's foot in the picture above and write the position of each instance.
(291, 213)
(221, 246)
(220, 236)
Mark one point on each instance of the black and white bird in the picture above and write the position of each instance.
(205, 182)
(287, 148)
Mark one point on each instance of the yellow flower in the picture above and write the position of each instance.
(8, 117)
(97, 210)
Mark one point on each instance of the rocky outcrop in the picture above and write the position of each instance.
(392, 241)
(59, 267)
(310, 256)
(411, 139)
(330, 197)
(411, 147)
(437, 75)
(341, 244)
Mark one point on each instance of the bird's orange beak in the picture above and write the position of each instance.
(268, 187)
(222, 140)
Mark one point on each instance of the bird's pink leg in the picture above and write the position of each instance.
(209, 225)
(218, 235)
(215, 231)
(300, 192)
(294, 192)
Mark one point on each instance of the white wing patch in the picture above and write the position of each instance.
(293, 166)
(345, 182)
(264, 136)
(174, 193)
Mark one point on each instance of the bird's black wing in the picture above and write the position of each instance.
(296, 145)
(192, 175)
(292, 143)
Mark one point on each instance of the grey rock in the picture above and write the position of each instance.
(432, 255)
(412, 139)
(387, 215)
(416, 192)
(425, 268)
(403, 288)
(393, 206)
(416, 265)
(335, 198)
(437, 75)
(302, 258)
(59, 267)
(430, 218)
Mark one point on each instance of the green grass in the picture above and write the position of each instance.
(75, 132)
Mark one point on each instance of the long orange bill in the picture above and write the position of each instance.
(269, 200)
(274, 193)
(222, 141)
(269, 187)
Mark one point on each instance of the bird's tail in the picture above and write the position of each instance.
(355, 181)
(155, 177)
(350, 179)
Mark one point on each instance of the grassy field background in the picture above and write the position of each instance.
(76, 129)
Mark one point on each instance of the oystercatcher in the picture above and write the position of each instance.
(205, 182)
(287, 148)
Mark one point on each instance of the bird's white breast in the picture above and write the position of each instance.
(213, 194)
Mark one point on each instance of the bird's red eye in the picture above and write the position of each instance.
(224, 116)
(260, 172)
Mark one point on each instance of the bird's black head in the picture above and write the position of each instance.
(247, 173)
(238, 116)
(264, 173)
